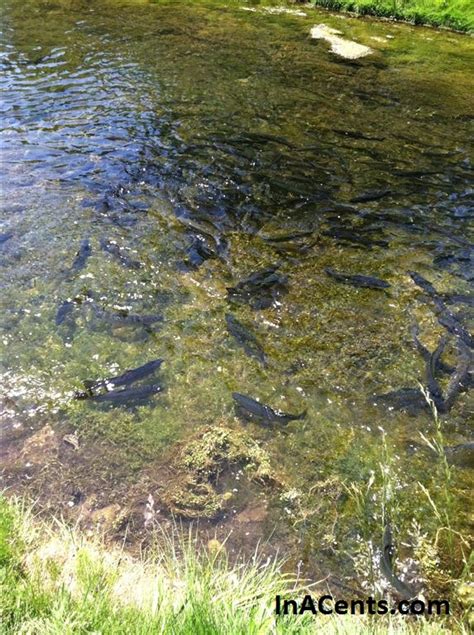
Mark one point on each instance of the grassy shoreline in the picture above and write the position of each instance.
(56, 580)
(457, 15)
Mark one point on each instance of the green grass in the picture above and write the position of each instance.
(454, 14)
(55, 580)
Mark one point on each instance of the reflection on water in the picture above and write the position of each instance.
(156, 156)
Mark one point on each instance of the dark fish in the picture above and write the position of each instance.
(119, 219)
(124, 317)
(296, 242)
(339, 208)
(358, 280)
(259, 137)
(459, 262)
(260, 289)
(445, 317)
(461, 454)
(251, 409)
(199, 251)
(245, 338)
(424, 284)
(386, 564)
(461, 378)
(127, 378)
(286, 237)
(458, 298)
(373, 195)
(354, 134)
(82, 255)
(127, 395)
(463, 254)
(432, 363)
(5, 237)
(409, 400)
(291, 187)
(426, 355)
(452, 324)
(205, 230)
(415, 173)
(114, 250)
(64, 311)
(352, 237)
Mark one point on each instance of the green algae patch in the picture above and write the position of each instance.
(209, 454)
(200, 463)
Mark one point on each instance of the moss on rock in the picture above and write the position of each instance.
(202, 460)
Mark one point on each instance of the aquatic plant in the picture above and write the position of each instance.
(435, 558)
(200, 461)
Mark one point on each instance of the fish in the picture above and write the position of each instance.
(461, 454)
(450, 322)
(445, 317)
(290, 187)
(415, 173)
(65, 310)
(65, 320)
(459, 262)
(424, 284)
(199, 251)
(434, 389)
(245, 338)
(281, 238)
(127, 395)
(82, 255)
(461, 378)
(357, 280)
(354, 134)
(113, 249)
(128, 377)
(425, 353)
(260, 138)
(409, 400)
(251, 409)
(386, 564)
(123, 316)
(458, 298)
(372, 195)
(298, 242)
(352, 237)
(449, 298)
(260, 289)
(4, 237)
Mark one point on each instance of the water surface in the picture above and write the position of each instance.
(193, 135)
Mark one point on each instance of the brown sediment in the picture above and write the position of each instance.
(85, 482)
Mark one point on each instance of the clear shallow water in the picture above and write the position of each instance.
(200, 132)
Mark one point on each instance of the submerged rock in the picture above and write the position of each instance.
(201, 462)
(41, 448)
